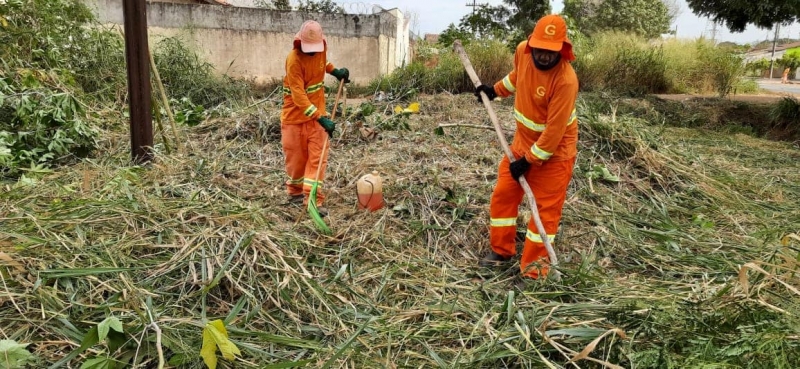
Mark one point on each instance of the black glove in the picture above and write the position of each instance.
(341, 74)
(488, 90)
(328, 124)
(519, 167)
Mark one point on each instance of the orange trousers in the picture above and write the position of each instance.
(302, 148)
(549, 184)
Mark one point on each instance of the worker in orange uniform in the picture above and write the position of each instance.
(545, 143)
(304, 121)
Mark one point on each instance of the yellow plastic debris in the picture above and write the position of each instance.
(412, 108)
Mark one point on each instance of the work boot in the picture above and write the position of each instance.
(493, 259)
(295, 199)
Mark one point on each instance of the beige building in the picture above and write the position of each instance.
(252, 43)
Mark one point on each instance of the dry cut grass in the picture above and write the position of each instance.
(689, 260)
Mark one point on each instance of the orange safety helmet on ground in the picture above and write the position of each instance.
(550, 33)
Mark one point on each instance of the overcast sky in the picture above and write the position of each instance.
(433, 16)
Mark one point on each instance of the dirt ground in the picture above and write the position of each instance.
(765, 98)
(762, 98)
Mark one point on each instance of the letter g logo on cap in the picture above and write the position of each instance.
(550, 30)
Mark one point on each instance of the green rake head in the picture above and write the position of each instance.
(313, 212)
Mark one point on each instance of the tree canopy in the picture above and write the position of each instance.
(648, 18)
(511, 22)
(737, 14)
(319, 6)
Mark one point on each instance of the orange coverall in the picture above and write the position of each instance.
(547, 136)
(302, 136)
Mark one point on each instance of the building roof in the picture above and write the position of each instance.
(790, 45)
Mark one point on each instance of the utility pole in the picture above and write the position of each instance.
(137, 59)
(474, 5)
(714, 33)
(774, 44)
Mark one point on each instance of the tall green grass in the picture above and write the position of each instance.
(612, 61)
(439, 70)
(622, 63)
(631, 65)
(785, 115)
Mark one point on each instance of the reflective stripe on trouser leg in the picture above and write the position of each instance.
(549, 184)
(316, 140)
(295, 151)
(503, 210)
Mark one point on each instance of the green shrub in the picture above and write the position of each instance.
(43, 34)
(725, 67)
(100, 65)
(40, 123)
(186, 75)
(786, 112)
(745, 86)
(42, 107)
(58, 66)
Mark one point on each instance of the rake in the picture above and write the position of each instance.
(313, 211)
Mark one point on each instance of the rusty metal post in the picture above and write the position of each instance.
(137, 58)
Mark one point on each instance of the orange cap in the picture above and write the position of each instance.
(550, 33)
(311, 38)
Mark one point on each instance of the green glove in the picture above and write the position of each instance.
(341, 74)
(328, 124)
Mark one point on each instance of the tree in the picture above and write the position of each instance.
(757, 68)
(274, 4)
(453, 33)
(281, 5)
(523, 17)
(319, 6)
(789, 60)
(485, 22)
(737, 14)
(511, 23)
(648, 18)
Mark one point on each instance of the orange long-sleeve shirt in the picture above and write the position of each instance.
(304, 86)
(544, 108)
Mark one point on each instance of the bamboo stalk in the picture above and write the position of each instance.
(160, 127)
(464, 125)
(163, 94)
(462, 54)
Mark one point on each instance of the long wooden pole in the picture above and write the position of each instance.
(138, 64)
(325, 145)
(500, 135)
